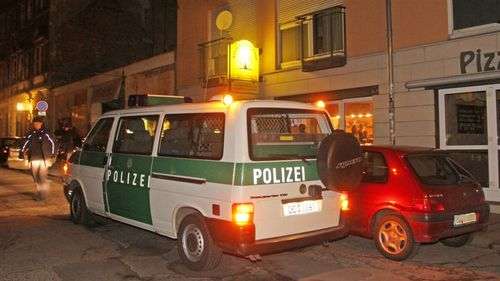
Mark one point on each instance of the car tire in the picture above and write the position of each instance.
(457, 241)
(393, 237)
(195, 245)
(79, 213)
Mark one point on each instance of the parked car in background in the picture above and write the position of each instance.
(415, 195)
(5, 143)
(15, 159)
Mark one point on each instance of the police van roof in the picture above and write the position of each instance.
(211, 106)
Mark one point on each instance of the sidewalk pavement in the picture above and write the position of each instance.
(489, 239)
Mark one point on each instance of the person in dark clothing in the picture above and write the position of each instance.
(39, 148)
(68, 139)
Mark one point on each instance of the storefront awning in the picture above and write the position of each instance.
(445, 82)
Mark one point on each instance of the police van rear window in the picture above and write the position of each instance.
(275, 134)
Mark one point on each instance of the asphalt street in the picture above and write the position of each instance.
(39, 242)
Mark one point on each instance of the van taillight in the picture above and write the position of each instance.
(243, 213)
(344, 202)
(430, 202)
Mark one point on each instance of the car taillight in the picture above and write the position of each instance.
(243, 213)
(344, 202)
(430, 202)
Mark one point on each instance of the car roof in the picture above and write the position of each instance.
(402, 149)
(212, 105)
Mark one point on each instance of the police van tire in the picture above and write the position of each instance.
(197, 250)
(339, 161)
(78, 209)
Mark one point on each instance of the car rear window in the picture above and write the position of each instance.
(275, 133)
(436, 169)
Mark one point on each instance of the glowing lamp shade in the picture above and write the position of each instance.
(244, 61)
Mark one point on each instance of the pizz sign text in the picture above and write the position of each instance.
(481, 61)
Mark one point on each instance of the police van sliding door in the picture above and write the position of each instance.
(92, 160)
(127, 177)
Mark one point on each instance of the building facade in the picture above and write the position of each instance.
(446, 57)
(24, 28)
(49, 50)
(100, 48)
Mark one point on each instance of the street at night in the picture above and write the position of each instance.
(39, 242)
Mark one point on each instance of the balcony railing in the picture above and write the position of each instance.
(214, 62)
(323, 39)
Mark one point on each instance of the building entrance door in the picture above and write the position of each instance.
(469, 127)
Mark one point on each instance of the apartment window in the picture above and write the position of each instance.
(39, 59)
(316, 40)
(474, 16)
(22, 14)
(290, 43)
(29, 9)
(214, 62)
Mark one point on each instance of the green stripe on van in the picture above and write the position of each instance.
(210, 170)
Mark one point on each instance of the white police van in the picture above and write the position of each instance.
(238, 177)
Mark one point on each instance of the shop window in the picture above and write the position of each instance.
(98, 139)
(334, 111)
(198, 135)
(473, 13)
(465, 119)
(135, 135)
(359, 120)
(353, 116)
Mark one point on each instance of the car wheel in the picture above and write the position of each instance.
(195, 244)
(457, 241)
(393, 237)
(78, 209)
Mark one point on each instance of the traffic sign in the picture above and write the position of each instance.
(42, 105)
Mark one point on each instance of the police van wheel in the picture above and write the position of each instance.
(196, 247)
(78, 209)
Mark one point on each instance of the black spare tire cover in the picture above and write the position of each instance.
(340, 161)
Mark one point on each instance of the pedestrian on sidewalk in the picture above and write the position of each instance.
(39, 148)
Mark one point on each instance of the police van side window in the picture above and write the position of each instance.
(98, 139)
(375, 169)
(135, 135)
(196, 135)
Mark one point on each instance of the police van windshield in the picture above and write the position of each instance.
(275, 134)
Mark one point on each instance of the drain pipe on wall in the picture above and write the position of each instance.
(390, 72)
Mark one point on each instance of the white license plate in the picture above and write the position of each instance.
(300, 208)
(464, 219)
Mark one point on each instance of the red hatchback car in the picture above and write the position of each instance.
(415, 195)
